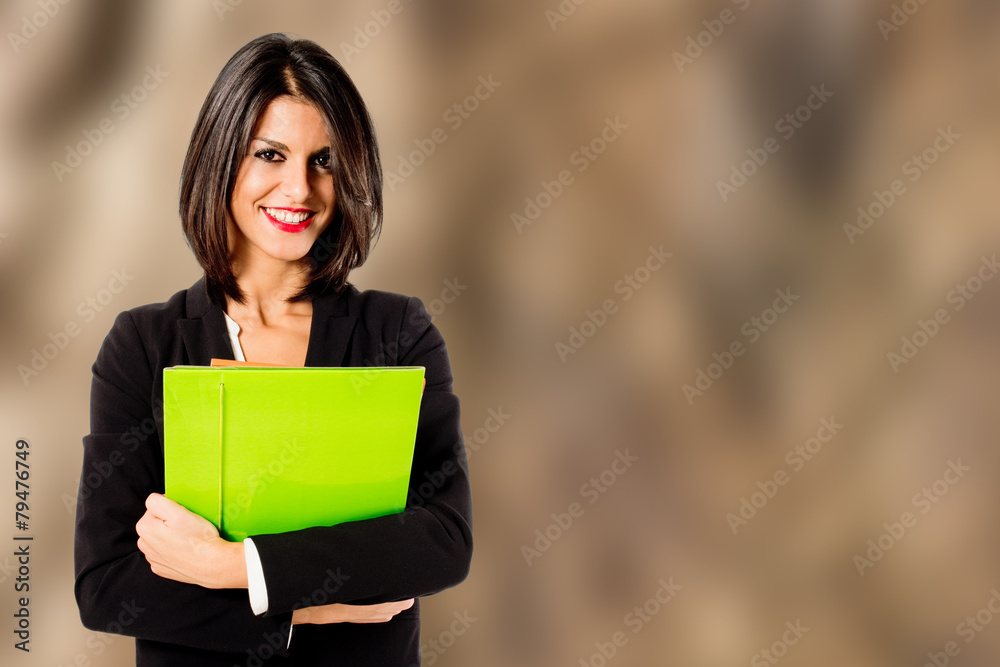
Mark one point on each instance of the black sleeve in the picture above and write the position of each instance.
(420, 551)
(115, 588)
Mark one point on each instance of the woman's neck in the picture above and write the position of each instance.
(266, 288)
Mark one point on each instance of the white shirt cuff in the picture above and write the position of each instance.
(255, 579)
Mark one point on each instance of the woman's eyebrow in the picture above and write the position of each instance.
(272, 143)
(280, 146)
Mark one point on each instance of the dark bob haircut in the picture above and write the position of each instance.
(268, 67)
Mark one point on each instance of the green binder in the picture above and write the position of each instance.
(259, 450)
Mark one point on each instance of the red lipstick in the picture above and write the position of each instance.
(287, 226)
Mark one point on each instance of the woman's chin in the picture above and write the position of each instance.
(292, 254)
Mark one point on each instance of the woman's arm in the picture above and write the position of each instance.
(424, 549)
(180, 545)
(114, 581)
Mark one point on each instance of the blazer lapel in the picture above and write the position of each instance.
(205, 334)
(332, 326)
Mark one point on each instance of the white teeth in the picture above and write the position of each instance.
(288, 216)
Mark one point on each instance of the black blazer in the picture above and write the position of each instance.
(421, 551)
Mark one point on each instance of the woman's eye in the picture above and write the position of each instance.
(266, 154)
(324, 161)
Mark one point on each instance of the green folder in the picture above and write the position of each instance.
(258, 450)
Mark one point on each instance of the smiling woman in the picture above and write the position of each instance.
(284, 196)
(281, 197)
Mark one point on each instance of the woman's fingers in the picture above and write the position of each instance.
(350, 613)
(402, 605)
(162, 507)
(385, 611)
(180, 545)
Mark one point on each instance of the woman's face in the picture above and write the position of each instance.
(284, 196)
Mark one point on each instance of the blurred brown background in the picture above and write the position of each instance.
(673, 130)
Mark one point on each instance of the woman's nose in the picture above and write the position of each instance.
(295, 182)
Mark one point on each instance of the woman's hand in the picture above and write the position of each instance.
(182, 546)
(350, 613)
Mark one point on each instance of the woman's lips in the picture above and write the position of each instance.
(291, 227)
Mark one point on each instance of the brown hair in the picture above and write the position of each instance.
(268, 67)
